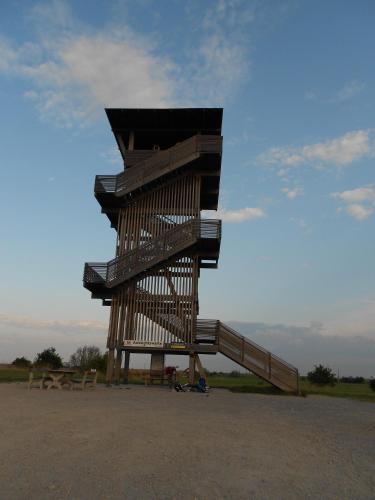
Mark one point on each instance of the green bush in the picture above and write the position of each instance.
(352, 380)
(22, 362)
(322, 375)
(88, 358)
(372, 384)
(100, 363)
(48, 357)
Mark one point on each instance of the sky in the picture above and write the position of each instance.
(296, 81)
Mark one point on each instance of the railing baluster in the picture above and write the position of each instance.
(148, 168)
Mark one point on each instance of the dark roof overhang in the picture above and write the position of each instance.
(162, 127)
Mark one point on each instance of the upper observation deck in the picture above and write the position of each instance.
(158, 145)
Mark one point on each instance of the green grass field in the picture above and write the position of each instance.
(242, 383)
(251, 383)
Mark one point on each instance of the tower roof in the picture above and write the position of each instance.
(162, 127)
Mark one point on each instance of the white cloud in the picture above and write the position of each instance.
(349, 90)
(292, 193)
(216, 68)
(7, 56)
(358, 202)
(356, 195)
(25, 336)
(69, 327)
(75, 76)
(73, 72)
(240, 215)
(358, 211)
(341, 151)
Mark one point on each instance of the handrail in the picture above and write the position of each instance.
(95, 272)
(255, 345)
(257, 359)
(157, 164)
(249, 354)
(152, 252)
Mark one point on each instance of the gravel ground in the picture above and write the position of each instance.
(140, 442)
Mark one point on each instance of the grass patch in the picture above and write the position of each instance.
(252, 384)
(361, 392)
(243, 383)
(9, 373)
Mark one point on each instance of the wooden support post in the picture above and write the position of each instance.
(126, 367)
(269, 365)
(157, 361)
(298, 386)
(131, 141)
(118, 366)
(157, 367)
(110, 366)
(191, 367)
(200, 366)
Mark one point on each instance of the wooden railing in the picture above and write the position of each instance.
(248, 354)
(95, 272)
(207, 331)
(152, 252)
(134, 156)
(257, 359)
(157, 165)
(105, 184)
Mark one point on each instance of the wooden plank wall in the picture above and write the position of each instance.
(161, 306)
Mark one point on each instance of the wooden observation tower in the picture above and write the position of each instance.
(172, 162)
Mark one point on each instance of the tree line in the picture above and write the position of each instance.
(88, 357)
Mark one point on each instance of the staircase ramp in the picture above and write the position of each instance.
(257, 359)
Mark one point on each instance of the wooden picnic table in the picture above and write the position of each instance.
(58, 377)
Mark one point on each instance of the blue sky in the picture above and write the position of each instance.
(296, 80)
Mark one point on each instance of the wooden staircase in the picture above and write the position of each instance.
(250, 355)
(155, 253)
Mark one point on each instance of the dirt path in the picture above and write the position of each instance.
(142, 443)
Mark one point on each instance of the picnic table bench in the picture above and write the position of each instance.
(88, 379)
(154, 375)
(46, 378)
(38, 377)
(59, 377)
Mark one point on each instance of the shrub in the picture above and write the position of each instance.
(89, 357)
(48, 357)
(352, 380)
(100, 364)
(21, 362)
(234, 373)
(321, 375)
(372, 384)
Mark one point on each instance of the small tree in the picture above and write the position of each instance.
(372, 384)
(88, 357)
(321, 375)
(48, 357)
(22, 362)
